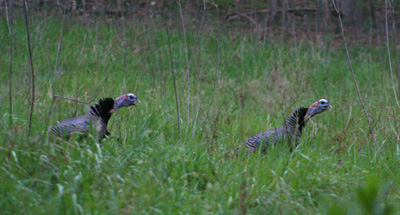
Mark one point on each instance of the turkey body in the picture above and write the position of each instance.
(290, 131)
(96, 119)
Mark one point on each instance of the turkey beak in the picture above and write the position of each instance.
(329, 107)
(137, 100)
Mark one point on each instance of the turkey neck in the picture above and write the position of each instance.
(295, 121)
(105, 117)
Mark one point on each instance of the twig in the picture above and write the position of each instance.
(319, 17)
(352, 71)
(97, 33)
(396, 50)
(161, 76)
(57, 62)
(100, 87)
(215, 90)
(388, 51)
(80, 59)
(75, 100)
(124, 43)
(243, 194)
(172, 69)
(199, 89)
(215, 93)
(11, 29)
(252, 20)
(190, 60)
(284, 17)
(95, 48)
(232, 16)
(31, 65)
(4, 124)
(187, 66)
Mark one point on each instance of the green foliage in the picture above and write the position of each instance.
(147, 167)
(368, 196)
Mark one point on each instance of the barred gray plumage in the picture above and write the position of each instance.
(290, 131)
(97, 118)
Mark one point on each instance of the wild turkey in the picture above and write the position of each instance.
(98, 117)
(290, 130)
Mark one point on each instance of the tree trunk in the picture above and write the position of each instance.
(273, 9)
(352, 12)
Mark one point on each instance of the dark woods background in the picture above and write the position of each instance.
(300, 17)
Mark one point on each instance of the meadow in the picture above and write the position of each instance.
(203, 94)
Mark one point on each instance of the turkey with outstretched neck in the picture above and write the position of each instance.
(291, 130)
(98, 116)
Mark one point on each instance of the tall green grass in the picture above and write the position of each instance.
(151, 168)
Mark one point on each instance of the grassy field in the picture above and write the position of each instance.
(237, 86)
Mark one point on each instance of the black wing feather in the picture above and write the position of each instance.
(103, 108)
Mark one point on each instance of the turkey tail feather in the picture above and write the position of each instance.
(103, 108)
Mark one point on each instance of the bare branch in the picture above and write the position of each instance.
(71, 99)
(396, 49)
(232, 16)
(352, 71)
(189, 59)
(161, 76)
(4, 123)
(198, 87)
(124, 43)
(388, 51)
(199, 90)
(31, 65)
(172, 69)
(11, 29)
(215, 93)
(187, 65)
(56, 67)
(80, 60)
